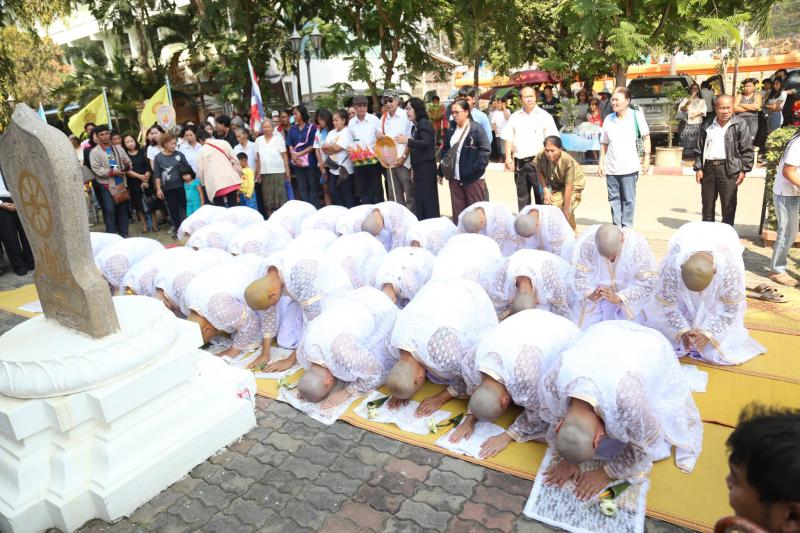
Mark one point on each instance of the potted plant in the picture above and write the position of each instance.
(671, 156)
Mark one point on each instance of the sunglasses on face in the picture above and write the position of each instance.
(387, 100)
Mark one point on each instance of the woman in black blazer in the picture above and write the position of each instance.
(423, 159)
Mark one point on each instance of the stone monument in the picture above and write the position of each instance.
(104, 402)
(45, 181)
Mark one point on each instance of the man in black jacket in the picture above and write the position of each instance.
(725, 156)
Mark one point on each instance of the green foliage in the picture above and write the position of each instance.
(674, 94)
(776, 145)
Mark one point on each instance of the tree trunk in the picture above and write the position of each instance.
(296, 72)
(476, 77)
(620, 72)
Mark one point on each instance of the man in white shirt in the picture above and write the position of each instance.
(499, 118)
(365, 127)
(724, 157)
(524, 135)
(787, 206)
(399, 185)
(471, 96)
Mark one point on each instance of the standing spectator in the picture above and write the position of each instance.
(791, 97)
(303, 159)
(581, 108)
(695, 109)
(441, 123)
(223, 130)
(766, 87)
(208, 128)
(284, 122)
(470, 94)
(561, 178)
(499, 119)
(169, 168)
(247, 190)
(747, 106)
(275, 119)
(551, 104)
(774, 106)
(468, 139)
(87, 131)
(351, 112)
(594, 115)
(365, 128)
(620, 161)
(246, 146)
(786, 191)
(153, 142)
(605, 103)
(76, 145)
(190, 147)
(110, 165)
(724, 156)
(334, 153)
(116, 138)
(524, 136)
(219, 171)
(323, 120)
(12, 234)
(138, 178)
(707, 94)
(394, 123)
(423, 159)
(272, 164)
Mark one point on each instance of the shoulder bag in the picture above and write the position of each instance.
(639, 141)
(302, 160)
(119, 191)
(449, 160)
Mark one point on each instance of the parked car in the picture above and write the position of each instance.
(791, 109)
(649, 94)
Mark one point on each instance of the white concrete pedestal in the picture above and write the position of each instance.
(103, 452)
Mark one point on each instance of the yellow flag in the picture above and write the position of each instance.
(94, 111)
(148, 117)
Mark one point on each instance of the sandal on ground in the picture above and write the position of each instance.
(771, 294)
(758, 289)
(784, 279)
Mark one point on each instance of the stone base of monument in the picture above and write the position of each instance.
(67, 457)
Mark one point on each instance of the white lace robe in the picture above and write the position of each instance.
(517, 352)
(205, 215)
(632, 276)
(291, 215)
(325, 218)
(360, 255)
(217, 294)
(100, 240)
(262, 238)
(718, 311)
(351, 221)
(499, 225)
(551, 277)
(554, 233)
(406, 269)
(351, 339)
(174, 276)
(214, 235)
(141, 278)
(241, 215)
(476, 258)
(630, 375)
(312, 240)
(397, 219)
(432, 233)
(441, 328)
(116, 259)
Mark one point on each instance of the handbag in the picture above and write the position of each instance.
(448, 163)
(119, 192)
(302, 160)
(639, 141)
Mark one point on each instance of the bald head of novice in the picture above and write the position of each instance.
(207, 329)
(389, 290)
(523, 301)
(265, 292)
(575, 439)
(698, 271)
(474, 221)
(608, 240)
(490, 400)
(406, 377)
(526, 225)
(316, 383)
(373, 224)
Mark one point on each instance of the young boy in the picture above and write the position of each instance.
(194, 193)
(764, 481)
(246, 196)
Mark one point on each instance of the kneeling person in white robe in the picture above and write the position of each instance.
(544, 227)
(700, 297)
(433, 335)
(389, 222)
(615, 274)
(618, 393)
(494, 220)
(403, 272)
(510, 361)
(348, 342)
(541, 280)
(431, 234)
(360, 255)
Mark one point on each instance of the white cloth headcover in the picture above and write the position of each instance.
(117, 258)
(206, 214)
(262, 238)
(214, 235)
(241, 215)
(291, 214)
(432, 233)
(325, 218)
(407, 269)
(141, 278)
(360, 255)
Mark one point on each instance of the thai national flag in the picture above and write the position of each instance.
(256, 105)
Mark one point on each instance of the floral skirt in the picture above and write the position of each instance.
(689, 137)
(273, 191)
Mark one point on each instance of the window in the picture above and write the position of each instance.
(654, 87)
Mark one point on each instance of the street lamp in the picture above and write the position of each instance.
(316, 39)
(295, 39)
(300, 48)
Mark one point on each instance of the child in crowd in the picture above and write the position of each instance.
(194, 193)
(246, 196)
(764, 479)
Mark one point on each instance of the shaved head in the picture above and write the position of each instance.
(474, 220)
(406, 377)
(415, 244)
(698, 271)
(388, 290)
(609, 241)
(207, 329)
(265, 292)
(574, 440)
(373, 224)
(523, 301)
(316, 383)
(490, 400)
(525, 225)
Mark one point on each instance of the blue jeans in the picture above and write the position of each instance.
(115, 215)
(308, 185)
(622, 197)
(787, 209)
